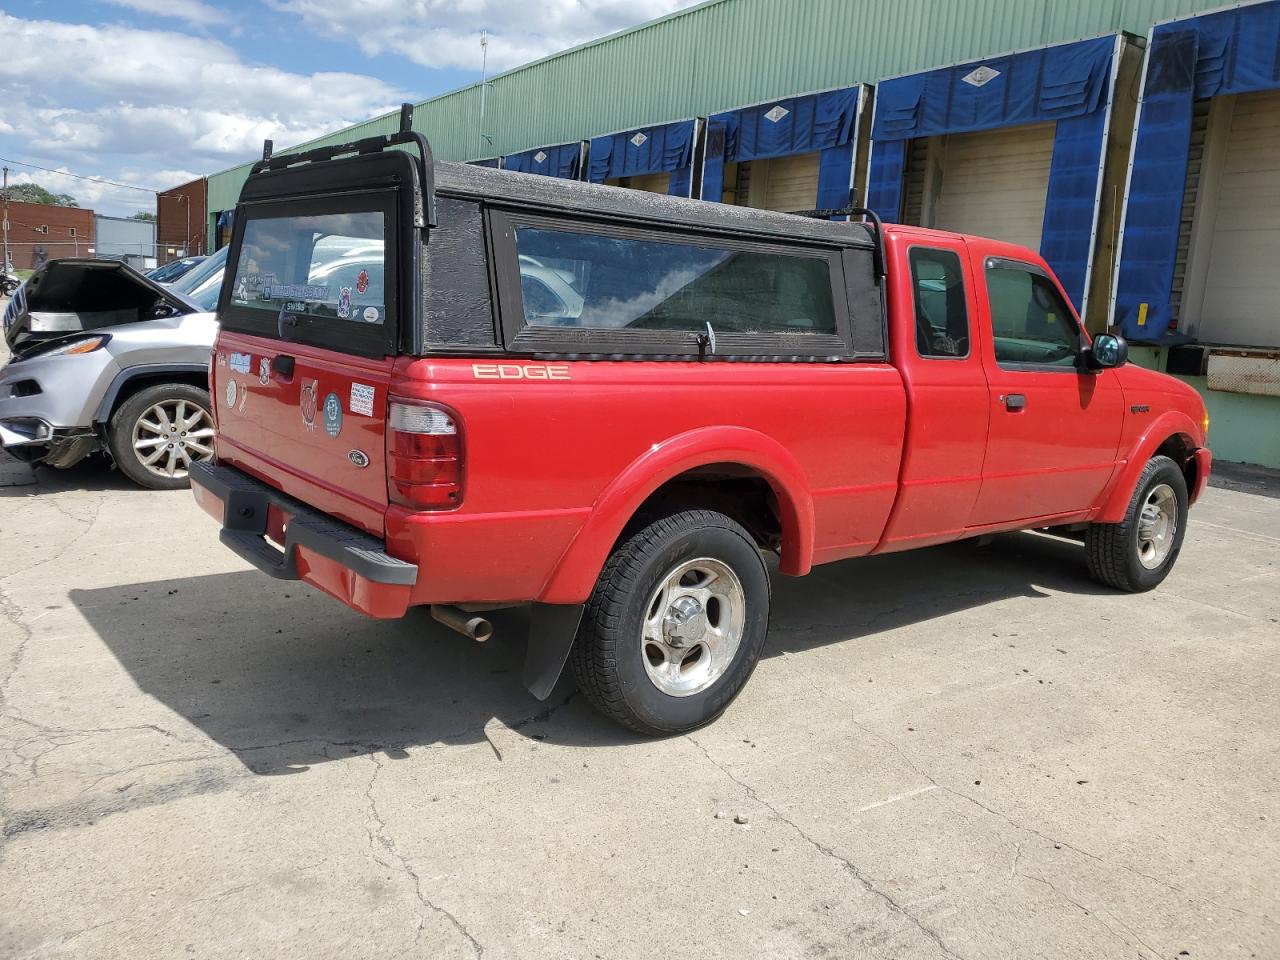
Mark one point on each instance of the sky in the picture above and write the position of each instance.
(153, 93)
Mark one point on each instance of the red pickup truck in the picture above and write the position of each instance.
(450, 386)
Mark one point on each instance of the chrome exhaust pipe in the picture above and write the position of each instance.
(470, 625)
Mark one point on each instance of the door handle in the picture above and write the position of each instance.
(1014, 402)
(282, 365)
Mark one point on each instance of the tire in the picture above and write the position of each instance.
(656, 650)
(1137, 553)
(137, 428)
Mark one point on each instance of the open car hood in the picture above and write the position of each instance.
(69, 296)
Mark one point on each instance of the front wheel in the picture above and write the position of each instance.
(676, 624)
(1137, 553)
(159, 431)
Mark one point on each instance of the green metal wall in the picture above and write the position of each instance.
(729, 53)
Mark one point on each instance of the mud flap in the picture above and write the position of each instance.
(552, 629)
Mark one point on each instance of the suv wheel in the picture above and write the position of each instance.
(1137, 553)
(676, 624)
(159, 431)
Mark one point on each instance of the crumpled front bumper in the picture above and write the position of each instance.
(346, 563)
(47, 405)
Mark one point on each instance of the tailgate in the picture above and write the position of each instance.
(308, 421)
(309, 331)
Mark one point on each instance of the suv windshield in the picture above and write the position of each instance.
(201, 272)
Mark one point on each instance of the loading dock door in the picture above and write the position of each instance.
(649, 182)
(992, 183)
(785, 184)
(1236, 248)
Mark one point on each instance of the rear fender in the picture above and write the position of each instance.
(576, 573)
(1171, 423)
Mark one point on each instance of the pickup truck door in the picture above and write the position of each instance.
(1055, 425)
(936, 338)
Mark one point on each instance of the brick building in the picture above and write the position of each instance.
(40, 232)
(180, 221)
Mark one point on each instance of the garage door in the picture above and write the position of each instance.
(994, 183)
(785, 184)
(1241, 287)
(650, 183)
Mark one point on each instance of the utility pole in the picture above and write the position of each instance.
(5, 265)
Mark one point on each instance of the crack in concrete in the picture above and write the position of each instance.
(1136, 942)
(850, 867)
(961, 795)
(381, 838)
(89, 523)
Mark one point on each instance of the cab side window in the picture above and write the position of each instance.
(1031, 323)
(942, 317)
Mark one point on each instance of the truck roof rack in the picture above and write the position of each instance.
(425, 211)
(876, 229)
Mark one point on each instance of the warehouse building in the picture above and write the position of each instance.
(1013, 147)
(40, 232)
(1025, 121)
(180, 221)
(1201, 236)
(126, 239)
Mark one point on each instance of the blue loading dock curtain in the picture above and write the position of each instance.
(1235, 51)
(825, 122)
(560, 161)
(1066, 83)
(663, 149)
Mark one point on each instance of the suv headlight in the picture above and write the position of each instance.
(85, 345)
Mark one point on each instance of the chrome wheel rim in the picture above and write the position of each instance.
(692, 627)
(1157, 524)
(169, 435)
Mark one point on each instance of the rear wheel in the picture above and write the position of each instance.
(676, 624)
(1137, 553)
(159, 432)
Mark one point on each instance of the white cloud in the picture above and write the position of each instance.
(103, 98)
(192, 11)
(446, 33)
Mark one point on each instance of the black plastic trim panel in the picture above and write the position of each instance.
(244, 522)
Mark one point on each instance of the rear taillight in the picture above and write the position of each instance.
(424, 455)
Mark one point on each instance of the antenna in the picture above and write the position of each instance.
(484, 89)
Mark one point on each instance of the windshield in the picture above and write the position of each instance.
(197, 275)
(205, 296)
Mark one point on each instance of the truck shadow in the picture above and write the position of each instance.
(285, 678)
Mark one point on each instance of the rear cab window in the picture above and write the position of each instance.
(316, 271)
(941, 313)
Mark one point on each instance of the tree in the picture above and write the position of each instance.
(145, 215)
(34, 193)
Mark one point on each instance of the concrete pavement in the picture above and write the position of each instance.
(968, 752)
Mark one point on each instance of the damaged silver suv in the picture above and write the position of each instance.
(104, 359)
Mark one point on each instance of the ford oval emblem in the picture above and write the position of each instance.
(359, 458)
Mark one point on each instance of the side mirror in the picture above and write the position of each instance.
(1108, 351)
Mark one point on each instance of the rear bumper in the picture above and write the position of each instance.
(344, 562)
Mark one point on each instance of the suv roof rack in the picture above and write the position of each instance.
(424, 211)
(876, 229)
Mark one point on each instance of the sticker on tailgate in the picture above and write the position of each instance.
(362, 399)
